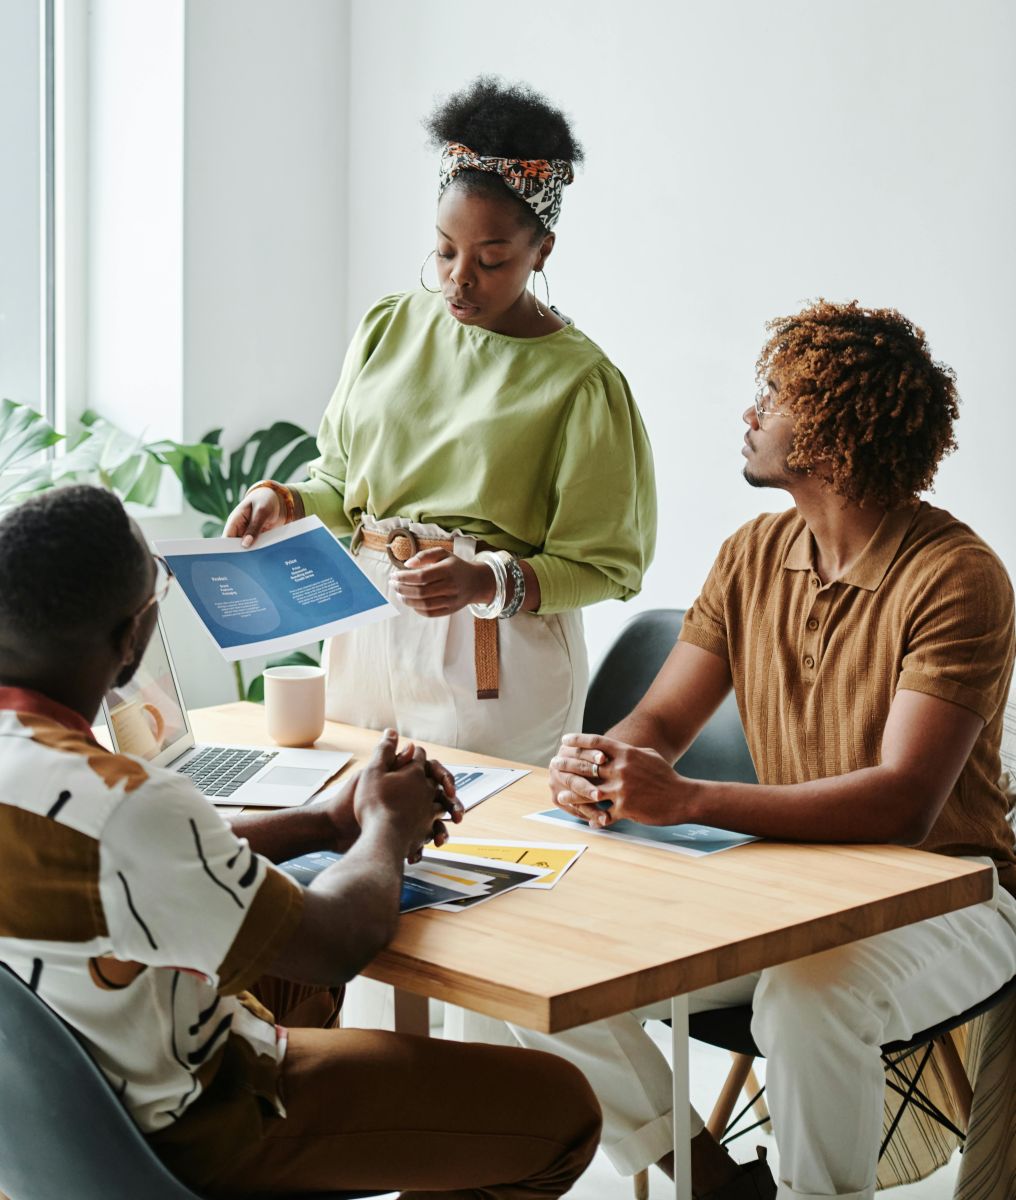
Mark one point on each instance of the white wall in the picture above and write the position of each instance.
(265, 211)
(742, 157)
(134, 320)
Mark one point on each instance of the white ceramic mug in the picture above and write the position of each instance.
(295, 704)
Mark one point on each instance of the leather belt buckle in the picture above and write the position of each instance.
(394, 536)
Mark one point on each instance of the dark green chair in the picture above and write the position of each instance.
(623, 678)
(63, 1132)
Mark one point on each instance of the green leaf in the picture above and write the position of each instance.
(234, 479)
(145, 488)
(295, 658)
(211, 529)
(203, 490)
(298, 457)
(270, 442)
(174, 454)
(24, 433)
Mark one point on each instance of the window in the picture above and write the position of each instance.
(27, 302)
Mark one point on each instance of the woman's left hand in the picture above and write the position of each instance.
(437, 583)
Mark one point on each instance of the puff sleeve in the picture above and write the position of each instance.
(601, 530)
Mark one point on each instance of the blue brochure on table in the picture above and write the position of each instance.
(694, 840)
(295, 585)
(416, 893)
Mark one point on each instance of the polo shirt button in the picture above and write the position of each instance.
(814, 581)
(809, 662)
(813, 624)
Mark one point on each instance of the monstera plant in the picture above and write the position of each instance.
(216, 488)
(99, 452)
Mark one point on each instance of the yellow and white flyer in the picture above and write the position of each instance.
(555, 857)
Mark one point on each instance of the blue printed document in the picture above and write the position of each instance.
(416, 892)
(694, 840)
(295, 585)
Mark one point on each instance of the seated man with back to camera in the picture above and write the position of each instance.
(869, 641)
(135, 912)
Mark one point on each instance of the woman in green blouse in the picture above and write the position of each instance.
(487, 458)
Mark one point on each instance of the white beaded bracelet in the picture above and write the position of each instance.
(493, 559)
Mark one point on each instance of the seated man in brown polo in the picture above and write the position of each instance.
(868, 637)
(133, 910)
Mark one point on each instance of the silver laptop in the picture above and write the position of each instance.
(148, 717)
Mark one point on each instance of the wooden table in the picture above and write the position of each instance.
(629, 926)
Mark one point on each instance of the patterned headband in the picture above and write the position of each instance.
(538, 181)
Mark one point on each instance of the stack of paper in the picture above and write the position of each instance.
(477, 879)
(554, 857)
(416, 893)
(452, 882)
(476, 784)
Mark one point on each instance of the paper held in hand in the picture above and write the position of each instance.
(295, 585)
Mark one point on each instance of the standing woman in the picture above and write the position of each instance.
(486, 456)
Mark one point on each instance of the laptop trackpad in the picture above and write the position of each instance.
(291, 777)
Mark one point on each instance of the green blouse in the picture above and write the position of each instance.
(532, 444)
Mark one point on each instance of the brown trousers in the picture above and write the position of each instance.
(386, 1111)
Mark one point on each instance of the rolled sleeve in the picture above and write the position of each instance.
(179, 889)
(269, 924)
(706, 624)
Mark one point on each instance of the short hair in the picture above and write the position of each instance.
(70, 567)
(873, 411)
(503, 120)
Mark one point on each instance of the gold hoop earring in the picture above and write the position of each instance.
(423, 268)
(539, 311)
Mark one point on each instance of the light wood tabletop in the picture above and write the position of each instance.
(628, 926)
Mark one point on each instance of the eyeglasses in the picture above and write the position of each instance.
(763, 397)
(163, 578)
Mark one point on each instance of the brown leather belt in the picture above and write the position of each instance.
(400, 545)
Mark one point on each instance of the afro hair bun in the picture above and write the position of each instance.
(506, 120)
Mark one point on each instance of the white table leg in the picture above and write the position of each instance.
(682, 1102)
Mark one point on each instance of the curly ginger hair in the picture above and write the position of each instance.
(873, 411)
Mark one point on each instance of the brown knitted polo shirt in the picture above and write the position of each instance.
(926, 607)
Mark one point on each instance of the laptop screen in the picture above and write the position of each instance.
(146, 716)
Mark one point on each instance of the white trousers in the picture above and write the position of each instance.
(417, 673)
(820, 1021)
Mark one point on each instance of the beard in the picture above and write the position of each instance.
(758, 479)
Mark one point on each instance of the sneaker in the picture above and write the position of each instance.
(755, 1182)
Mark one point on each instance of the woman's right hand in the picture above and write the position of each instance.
(256, 513)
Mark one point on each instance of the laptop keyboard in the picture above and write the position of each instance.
(219, 771)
